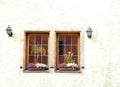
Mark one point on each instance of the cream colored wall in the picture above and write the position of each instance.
(101, 53)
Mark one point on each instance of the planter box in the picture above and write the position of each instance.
(37, 69)
(68, 68)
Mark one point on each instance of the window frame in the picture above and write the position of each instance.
(26, 60)
(78, 34)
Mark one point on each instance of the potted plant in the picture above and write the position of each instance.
(68, 64)
(37, 67)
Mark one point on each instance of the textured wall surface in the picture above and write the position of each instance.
(101, 53)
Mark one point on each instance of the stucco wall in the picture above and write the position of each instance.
(101, 53)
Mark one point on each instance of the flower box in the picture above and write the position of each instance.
(68, 68)
(37, 68)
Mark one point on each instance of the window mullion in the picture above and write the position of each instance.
(71, 42)
(65, 44)
(41, 48)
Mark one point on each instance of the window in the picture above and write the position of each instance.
(37, 51)
(66, 56)
(68, 52)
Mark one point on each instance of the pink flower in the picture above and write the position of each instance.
(62, 64)
(31, 65)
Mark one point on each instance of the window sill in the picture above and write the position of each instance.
(59, 71)
(36, 70)
(68, 70)
(39, 71)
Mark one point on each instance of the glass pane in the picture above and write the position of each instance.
(74, 50)
(61, 47)
(68, 39)
(44, 50)
(61, 59)
(75, 59)
(31, 59)
(44, 39)
(38, 39)
(61, 37)
(43, 59)
(31, 40)
(74, 39)
(61, 42)
(67, 48)
(36, 49)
